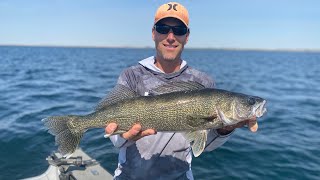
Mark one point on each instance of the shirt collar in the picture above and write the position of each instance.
(149, 63)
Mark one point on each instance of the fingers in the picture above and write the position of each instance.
(238, 125)
(134, 131)
(148, 132)
(253, 125)
(241, 124)
(112, 127)
(143, 134)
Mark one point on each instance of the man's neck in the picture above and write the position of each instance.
(168, 66)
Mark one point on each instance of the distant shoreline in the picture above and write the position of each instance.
(148, 47)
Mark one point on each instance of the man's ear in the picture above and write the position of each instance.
(153, 33)
(187, 37)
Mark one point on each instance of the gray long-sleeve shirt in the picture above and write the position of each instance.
(164, 155)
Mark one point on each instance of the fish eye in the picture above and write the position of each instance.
(251, 101)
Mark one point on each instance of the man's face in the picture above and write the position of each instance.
(169, 46)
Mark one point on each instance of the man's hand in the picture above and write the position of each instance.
(135, 133)
(252, 125)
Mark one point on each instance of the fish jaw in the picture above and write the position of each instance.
(260, 109)
(257, 111)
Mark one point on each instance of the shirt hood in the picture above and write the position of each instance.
(148, 63)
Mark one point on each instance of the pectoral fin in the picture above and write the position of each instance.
(197, 140)
(198, 121)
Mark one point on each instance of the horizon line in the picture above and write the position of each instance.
(150, 47)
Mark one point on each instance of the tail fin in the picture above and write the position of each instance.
(67, 136)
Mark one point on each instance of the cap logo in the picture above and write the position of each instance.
(172, 7)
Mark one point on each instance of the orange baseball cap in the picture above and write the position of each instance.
(172, 9)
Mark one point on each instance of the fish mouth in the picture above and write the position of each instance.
(260, 109)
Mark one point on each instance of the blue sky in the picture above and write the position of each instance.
(258, 24)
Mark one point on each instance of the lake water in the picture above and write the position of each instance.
(36, 82)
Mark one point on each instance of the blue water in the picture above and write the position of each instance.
(36, 82)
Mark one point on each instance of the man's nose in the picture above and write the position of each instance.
(171, 36)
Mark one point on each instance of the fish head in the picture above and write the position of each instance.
(236, 107)
(247, 107)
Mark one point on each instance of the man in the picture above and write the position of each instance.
(161, 155)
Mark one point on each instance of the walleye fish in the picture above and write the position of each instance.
(188, 107)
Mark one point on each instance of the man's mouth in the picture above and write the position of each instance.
(170, 46)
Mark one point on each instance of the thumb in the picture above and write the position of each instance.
(253, 125)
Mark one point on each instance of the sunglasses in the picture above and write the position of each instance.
(177, 30)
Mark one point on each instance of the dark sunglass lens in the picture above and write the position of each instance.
(179, 30)
(162, 29)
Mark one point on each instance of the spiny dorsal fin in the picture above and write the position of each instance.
(118, 93)
(177, 86)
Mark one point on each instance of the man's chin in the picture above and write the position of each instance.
(170, 57)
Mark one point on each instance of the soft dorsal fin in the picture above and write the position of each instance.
(177, 86)
(118, 93)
